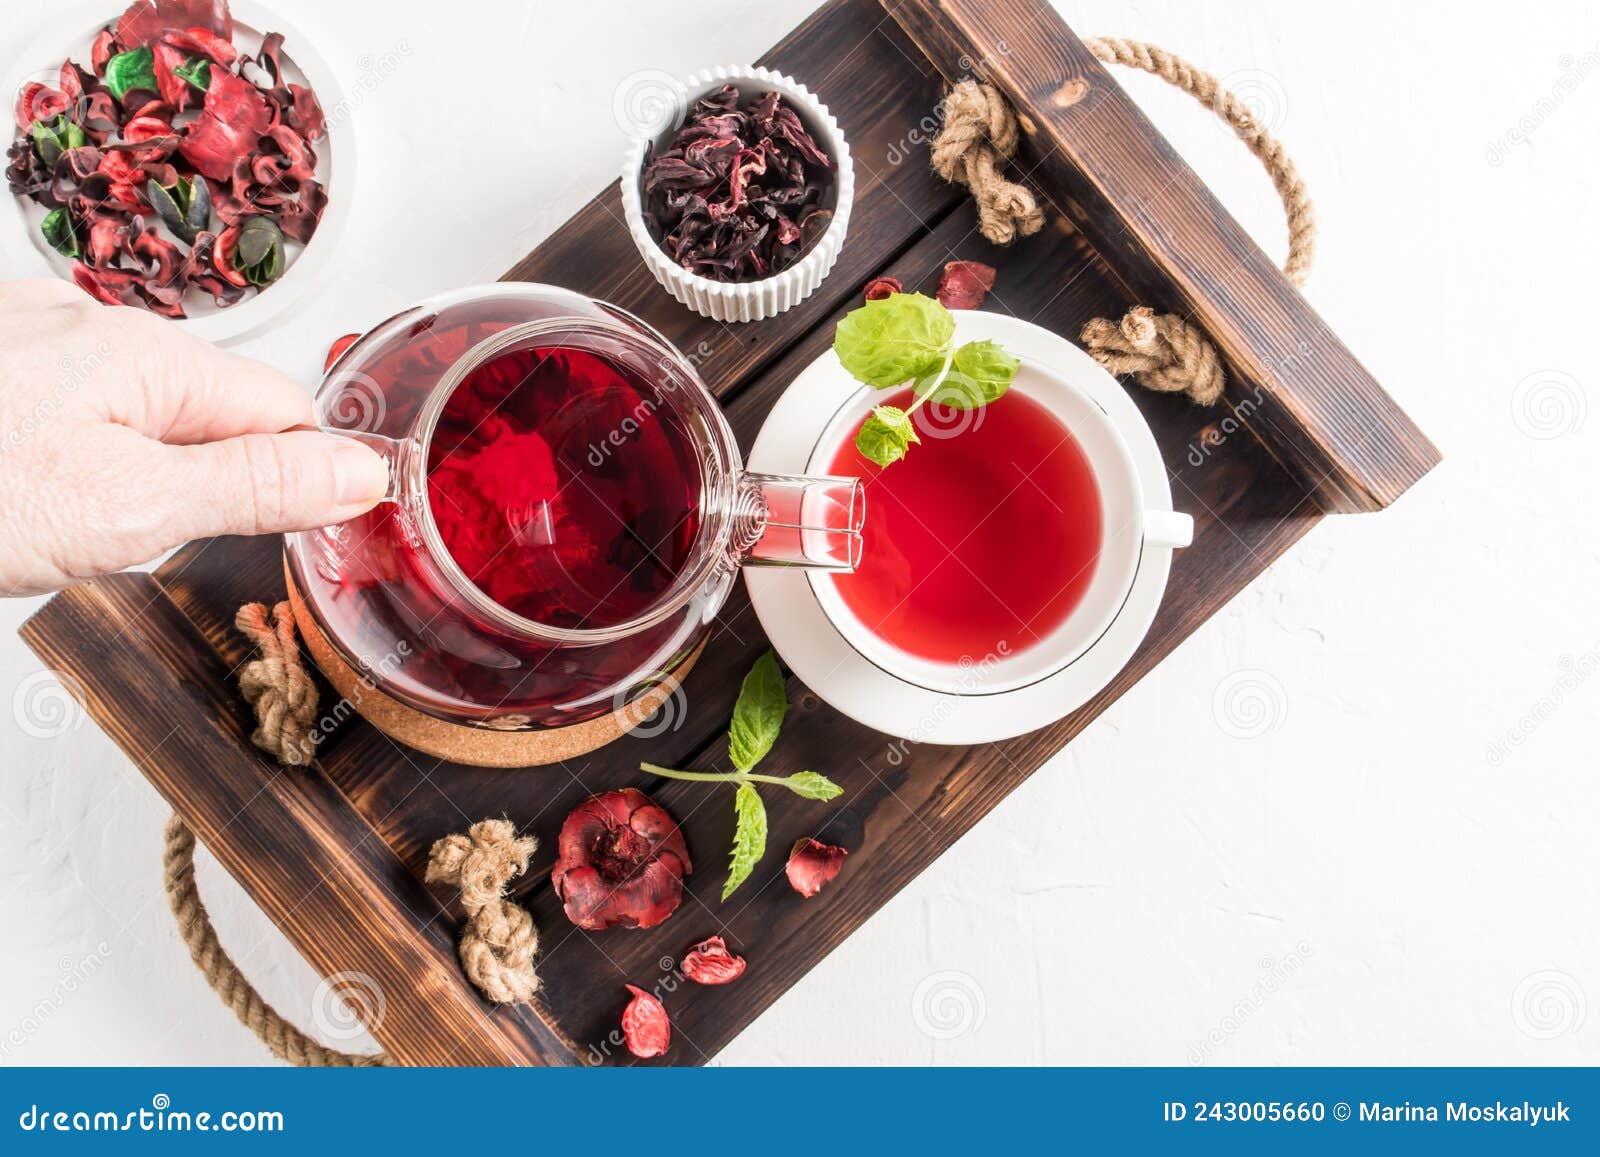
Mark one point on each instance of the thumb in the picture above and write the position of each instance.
(269, 483)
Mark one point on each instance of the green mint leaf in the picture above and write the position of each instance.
(47, 140)
(57, 230)
(763, 701)
(980, 373)
(70, 135)
(894, 339)
(127, 71)
(749, 837)
(886, 435)
(811, 785)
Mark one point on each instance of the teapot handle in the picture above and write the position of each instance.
(394, 452)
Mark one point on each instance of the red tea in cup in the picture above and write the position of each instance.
(983, 540)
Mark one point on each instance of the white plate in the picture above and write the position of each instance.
(71, 30)
(825, 661)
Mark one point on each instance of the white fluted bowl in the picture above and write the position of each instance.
(736, 300)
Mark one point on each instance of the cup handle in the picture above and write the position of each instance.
(1167, 528)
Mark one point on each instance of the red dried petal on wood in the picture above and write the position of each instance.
(964, 284)
(813, 864)
(645, 1028)
(336, 350)
(710, 962)
(621, 861)
(881, 287)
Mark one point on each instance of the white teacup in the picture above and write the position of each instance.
(1129, 528)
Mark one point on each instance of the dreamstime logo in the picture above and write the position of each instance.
(1549, 404)
(668, 716)
(1261, 94)
(346, 1005)
(371, 73)
(1249, 704)
(1573, 672)
(955, 407)
(948, 1005)
(1573, 72)
(356, 403)
(649, 102)
(1549, 1004)
(48, 704)
(74, 974)
(1275, 973)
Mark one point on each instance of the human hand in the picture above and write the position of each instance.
(121, 436)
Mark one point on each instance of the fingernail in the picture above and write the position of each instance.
(360, 475)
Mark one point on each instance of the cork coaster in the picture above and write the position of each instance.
(479, 746)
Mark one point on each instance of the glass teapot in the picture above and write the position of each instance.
(566, 511)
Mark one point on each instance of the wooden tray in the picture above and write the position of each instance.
(335, 853)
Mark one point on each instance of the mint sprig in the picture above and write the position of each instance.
(757, 719)
(909, 337)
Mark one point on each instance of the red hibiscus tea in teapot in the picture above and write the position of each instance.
(558, 489)
(987, 533)
(567, 512)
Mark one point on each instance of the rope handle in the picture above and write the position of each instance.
(1209, 91)
(222, 974)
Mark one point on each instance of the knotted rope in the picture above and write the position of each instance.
(277, 685)
(979, 135)
(1161, 352)
(499, 940)
(194, 926)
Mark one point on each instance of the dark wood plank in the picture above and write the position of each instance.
(1100, 161)
(303, 854)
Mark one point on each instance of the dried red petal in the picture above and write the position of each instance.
(144, 21)
(305, 113)
(964, 284)
(235, 117)
(336, 350)
(222, 257)
(813, 864)
(40, 102)
(103, 49)
(143, 128)
(645, 1028)
(203, 42)
(173, 88)
(881, 287)
(112, 286)
(620, 861)
(710, 962)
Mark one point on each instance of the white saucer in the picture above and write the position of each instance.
(824, 659)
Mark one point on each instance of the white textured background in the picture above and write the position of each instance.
(1352, 820)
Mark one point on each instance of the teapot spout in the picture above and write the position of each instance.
(799, 520)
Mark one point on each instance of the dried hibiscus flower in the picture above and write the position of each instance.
(964, 284)
(170, 127)
(645, 1028)
(738, 194)
(813, 864)
(710, 962)
(881, 287)
(621, 860)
